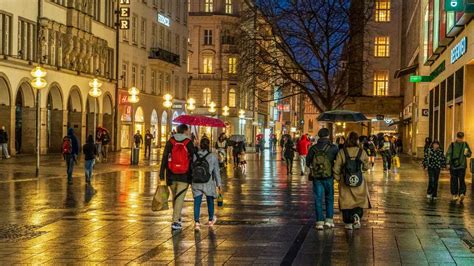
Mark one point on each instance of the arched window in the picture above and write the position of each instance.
(206, 94)
(232, 98)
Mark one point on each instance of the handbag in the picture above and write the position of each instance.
(160, 199)
(396, 161)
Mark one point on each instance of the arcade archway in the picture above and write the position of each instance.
(5, 104)
(154, 126)
(54, 119)
(107, 111)
(25, 119)
(74, 114)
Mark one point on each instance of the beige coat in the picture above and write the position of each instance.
(352, 197)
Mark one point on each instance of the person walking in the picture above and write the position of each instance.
(340, 141)
(206, 182)
(70, 150)
(302, 148)
(105, 145)
(371, 149)
(386, 149)
(176, 168)
(90, 152)
(282, 146)
(4, 143)
(456, 158)
(138, 139)
(320, 161)
(221, 147)
(237, 148)
(434, 161)
(353, 188)
(99, 131)
(148, 139)
(289, 154)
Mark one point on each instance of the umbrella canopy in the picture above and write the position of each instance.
(199, 120)
(342, 116)
(237, 138)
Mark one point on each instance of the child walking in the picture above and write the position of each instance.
(434, 160)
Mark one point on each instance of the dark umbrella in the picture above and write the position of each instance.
(342, 116)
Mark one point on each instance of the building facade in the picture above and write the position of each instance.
(75, 42)
(153, 58)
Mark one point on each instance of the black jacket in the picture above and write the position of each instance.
(165, 172)
(90, 151)
(322, 142)
(3, 136)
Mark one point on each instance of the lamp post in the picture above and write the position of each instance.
(38, 82)
(225, 113)
(133, 98)
(168, 103)
(95, 92)
(242, 119)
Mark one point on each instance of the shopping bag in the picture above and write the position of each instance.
(396, 161)
(220, 200)
(160, 199)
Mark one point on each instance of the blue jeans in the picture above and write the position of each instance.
(197, 207)
(323, 188)
(70, 166)
(88, 166)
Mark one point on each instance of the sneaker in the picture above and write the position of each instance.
(329, 223)
(461, 198)
(176, 226)
(454, 198)
(349, 227)
(213, 221)
(434, 198)
(197, 227)
(356, 221)
(320, 225)
(428, 196)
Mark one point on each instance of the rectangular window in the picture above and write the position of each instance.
(97, 10)
(168, 39)
(177, 43)
(228, 6)
(124, 75)
(207, 64)
(160, 82)
(167, 83)
(450, 88)
(154, 35)
(207, 37)
(381, 83)
(382, 10)
(459, 83)
(143, 78)
(185, 12)
(143, 32)
(184, 56)
(161, 40)
(134, 75)
(178, 10)
(26, 40)
(442, 114)
(382, 46)
(177, 91)
(232, 65)
(5, 29)
(134, 29)
(209, 6)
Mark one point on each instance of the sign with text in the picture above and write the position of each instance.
(123, 99)
(425, 112)
(124, 13)
(454, 5)
(459, 50)
(164, 20)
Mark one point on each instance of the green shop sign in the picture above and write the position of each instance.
(416, 79)
(439, 69)
(459, 6)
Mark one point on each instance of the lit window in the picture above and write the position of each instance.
(228, 6)
(207, 37)
(207, 97)
(232, 65)
(153, 82)
(232, 102)
(382, 10)
(134, 75)
(124, 75)
(207, 64)
(134, 29)
(381, 83)
(142, 78)
(382, 46)
(143, 32)
(209, 5)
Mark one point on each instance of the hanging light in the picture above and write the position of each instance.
(191, 104)
(225, 110)
(38, 73)
(133, 99)
(95, 92)
(167, 100)
(212, 107)
(242, 114)
(133, 91)
(95, 83)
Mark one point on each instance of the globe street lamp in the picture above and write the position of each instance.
(212, 108)
(225, 110)
(38, 82)
(167, 103)
(133, 98)
(190, 105)
(95, 92)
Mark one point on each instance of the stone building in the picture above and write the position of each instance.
(75, 42)
(153, 58)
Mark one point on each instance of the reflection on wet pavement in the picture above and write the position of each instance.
(267, 218)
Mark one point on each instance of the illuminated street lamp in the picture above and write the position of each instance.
(133, 98)
(212, 108)
(190, 106)
(95, 92)
(225, 110)
(38, 82)
(168, 103)
(242, 114)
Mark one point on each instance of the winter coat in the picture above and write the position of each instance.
(289, 149)
(148, 138)
(74, 142)
(238, 147)
(209, 188)
(3, 136)
(456, 151)
(352, 197)
(434, 159)
(303, 146)
(319, 146)
(90, 151)
(164, 170)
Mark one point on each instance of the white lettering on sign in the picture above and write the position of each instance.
(124, 12)
(164, 20)
(454, 3)
(124, 24)
(459, 50)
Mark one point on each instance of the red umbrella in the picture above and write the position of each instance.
(199, 120)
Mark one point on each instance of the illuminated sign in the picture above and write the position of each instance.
(416, 79)
(454, 5)
(124, 13)
(459, 50)
(164, 20)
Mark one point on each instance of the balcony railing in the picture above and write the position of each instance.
(161, 54)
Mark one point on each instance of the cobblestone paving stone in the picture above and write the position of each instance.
(267, 219)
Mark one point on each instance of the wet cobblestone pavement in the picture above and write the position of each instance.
(267, 219)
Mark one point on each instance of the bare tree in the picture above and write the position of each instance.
(313, 47)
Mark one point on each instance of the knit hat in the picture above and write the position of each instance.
(323, 133)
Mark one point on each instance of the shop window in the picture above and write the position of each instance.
(382, 10)
(436, 96)
(442, 116)
(232, 98)
(381, 83)
(206, 96)
(382, 46)
(450, 88)
(459, 83)
(430, 127)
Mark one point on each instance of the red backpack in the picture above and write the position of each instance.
(67, 145)
(178, 160)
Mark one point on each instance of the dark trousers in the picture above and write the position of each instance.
(387, 161)
(348, 214)
(433, 174)
(458, 184)
(289, 164)
(70, 160)
(147, 150)
(235, 156)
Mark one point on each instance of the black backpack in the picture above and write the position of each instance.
(200, 169)
(352, 171)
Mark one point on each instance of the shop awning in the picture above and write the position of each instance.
(405, 71)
